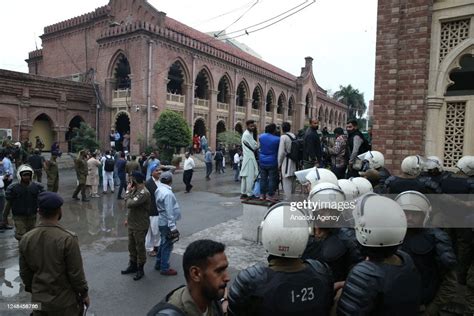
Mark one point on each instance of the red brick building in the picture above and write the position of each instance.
(424, 80)
(39, 106)
(145, 62)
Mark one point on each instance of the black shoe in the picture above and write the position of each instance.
(76, 198)
(85, 200)
(140, 273)
(243, 196)
(132, 268)
(120, 198)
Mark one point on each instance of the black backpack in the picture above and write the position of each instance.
(296, 151)
(109, 164)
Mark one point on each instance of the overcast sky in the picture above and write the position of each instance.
(339, 34)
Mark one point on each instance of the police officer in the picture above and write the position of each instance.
(409, 180)
(431, 251)
(331, 244)
(288, 285)
(376, 161)
(52, 172)
(387, 282)
(22, 200)
(138, 205)
(80, 164)
(51, 263)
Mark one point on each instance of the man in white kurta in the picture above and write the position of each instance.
(249, 170)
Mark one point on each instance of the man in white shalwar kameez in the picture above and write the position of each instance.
(249, 170)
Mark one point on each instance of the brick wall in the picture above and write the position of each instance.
(401, 78)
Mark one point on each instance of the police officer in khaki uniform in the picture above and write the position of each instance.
(138, 204)
(80, 164)
(22, 200)
(52, 172)
(51, 263)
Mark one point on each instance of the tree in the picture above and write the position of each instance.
(171, 132)
(84, 138)
(229, 138)
(353, 99)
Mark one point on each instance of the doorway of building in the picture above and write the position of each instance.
(74, 124)
(220, 128)
(43, 128)
(122, 125)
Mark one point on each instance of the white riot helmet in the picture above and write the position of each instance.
(18, 144)
(283, 234)
(319, 175)
(466, 164)
(433, 162)
(363, 185)
(379, 221)
(349, 188)
(416, 202)
(327, 195)
(375, 158)
(412, 165)
(24, 168)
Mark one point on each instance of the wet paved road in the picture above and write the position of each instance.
(102, 236)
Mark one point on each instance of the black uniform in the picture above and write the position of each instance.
(339, 251)
(377, 288)
(397, 185)
(433, 255)
(279, 290)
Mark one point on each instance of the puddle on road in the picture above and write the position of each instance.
(11, 282)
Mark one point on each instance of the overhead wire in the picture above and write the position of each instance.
(270, 19)
(240, 17)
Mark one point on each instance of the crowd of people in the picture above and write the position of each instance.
(378, 255)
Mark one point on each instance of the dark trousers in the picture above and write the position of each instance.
(340, 172)
(268, 180)
(187, 176)
(136, 245)
(38, 175)
(123, 185)
(80, 187)
(208, 169)
(219, 167)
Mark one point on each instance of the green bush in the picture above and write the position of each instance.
(229, 138)
(171, 132)
(84, 138)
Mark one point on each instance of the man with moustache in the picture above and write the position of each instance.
(356, 145)
(205, 269)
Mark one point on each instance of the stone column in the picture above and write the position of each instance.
(232, 110)
(248, 111)
(300, 116)
(188, 104)
(285, 113)
(433, 106)
(212, 118)
(261, 126)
